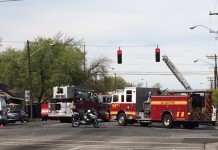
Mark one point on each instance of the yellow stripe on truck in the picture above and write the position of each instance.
(169, 103)
(127, 112)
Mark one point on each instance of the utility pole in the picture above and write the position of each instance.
(84, 48)
(115, 81)
(215, 70)
(30, 79)
(211, 82)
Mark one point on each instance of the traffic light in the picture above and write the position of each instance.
(157, 54)
(119, 56)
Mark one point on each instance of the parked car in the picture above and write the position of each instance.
(17, 115)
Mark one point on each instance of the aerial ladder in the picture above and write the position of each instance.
(176, 72)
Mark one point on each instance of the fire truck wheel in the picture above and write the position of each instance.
(167, 121)
(122, 121)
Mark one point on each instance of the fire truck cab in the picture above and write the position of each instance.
(127, 103)
(145, 105)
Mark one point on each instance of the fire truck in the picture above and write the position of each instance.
(145, 105)
(67, 97)
(185, 84)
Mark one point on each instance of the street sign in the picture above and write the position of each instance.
(27, 96)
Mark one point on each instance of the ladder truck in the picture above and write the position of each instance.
(188, 107)
(183, 81)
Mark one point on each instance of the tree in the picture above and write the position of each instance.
(215, 97)
(54, 62)
(157, 85)
(13, 71)
(0, 41)
(96, 70)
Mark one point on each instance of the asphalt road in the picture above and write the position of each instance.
(52, 135)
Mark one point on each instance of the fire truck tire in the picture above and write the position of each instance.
(167, 121)
(122, 120)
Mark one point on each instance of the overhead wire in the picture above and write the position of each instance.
(9, 0)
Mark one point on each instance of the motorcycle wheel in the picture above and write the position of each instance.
(96, 123)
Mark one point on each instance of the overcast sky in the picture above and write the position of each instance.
(137, 26)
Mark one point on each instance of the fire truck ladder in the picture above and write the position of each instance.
(176, 72)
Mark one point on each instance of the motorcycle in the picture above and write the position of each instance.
(90, 117)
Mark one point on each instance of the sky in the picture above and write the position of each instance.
(136, 26)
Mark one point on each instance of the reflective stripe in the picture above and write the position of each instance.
(169, 102)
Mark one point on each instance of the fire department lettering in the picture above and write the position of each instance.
(169, 103)
(114, 105)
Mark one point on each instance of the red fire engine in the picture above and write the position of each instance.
(145, 105)
(66, 97)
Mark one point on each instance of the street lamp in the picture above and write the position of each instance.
(211, 31)
(30, 75)
(215, 70)
(203, 61)
(137, 81)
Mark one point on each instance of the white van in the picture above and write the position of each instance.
(3, 112)
(214, 117)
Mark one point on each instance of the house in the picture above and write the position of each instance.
(13, 100)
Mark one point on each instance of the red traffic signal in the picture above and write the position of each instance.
(119, 56)
(157, 54)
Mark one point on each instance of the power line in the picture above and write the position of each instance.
(11, 41)
(122, 45)
(158, 73)
(10, 0)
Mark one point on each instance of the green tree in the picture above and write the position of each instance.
(157, 85)
(54, 62)
(215, 97)
(13, 71)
